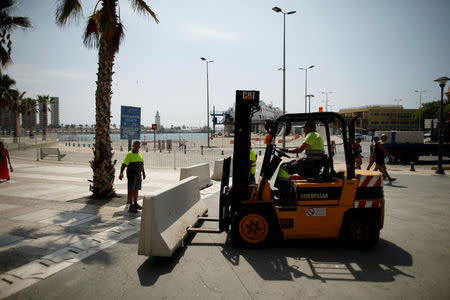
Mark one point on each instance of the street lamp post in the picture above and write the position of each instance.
(326, 101)
(442, 81)
(420, 107)
(398, 107)
(207, 94)
(309, 101)
(306, 83)
(278, 10)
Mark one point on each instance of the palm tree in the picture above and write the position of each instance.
(6, 84)
(105, 32)
(44, 100)
(16, 106)
(7, 24)
(28, 106)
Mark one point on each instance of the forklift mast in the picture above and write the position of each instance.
(247, 102)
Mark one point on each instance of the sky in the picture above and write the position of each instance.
(364, 52)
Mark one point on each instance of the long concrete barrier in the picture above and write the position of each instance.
(218, 169)
(166, 216)
(201, 170)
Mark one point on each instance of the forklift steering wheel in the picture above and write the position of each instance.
(281, 153)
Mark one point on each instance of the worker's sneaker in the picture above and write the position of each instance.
(138, 206)
(392, 180)
(133, 209)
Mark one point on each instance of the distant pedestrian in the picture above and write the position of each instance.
(380, 154)
(358, 155)
(134, 162)
(372, 152)
(4, 160)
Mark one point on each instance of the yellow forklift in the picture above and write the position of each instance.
(344, 205)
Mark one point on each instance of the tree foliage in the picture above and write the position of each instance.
(7, 24)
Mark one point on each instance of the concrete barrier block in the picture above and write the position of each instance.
(201, 171)
(218, 169)
(166, 216)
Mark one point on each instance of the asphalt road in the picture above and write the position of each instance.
(410, 261)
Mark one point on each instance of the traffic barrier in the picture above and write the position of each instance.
(218, 169)
(200, 170)
(166, 216)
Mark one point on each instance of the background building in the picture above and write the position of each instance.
(25, 121)
(41, 115)
(381, 117)
(54, 109)
(158, 120)
(7, 120)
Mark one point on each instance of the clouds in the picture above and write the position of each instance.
(210, 33)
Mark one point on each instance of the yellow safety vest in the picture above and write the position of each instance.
(253, 160)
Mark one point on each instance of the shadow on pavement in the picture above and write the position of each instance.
(324, 260)
(154, 267)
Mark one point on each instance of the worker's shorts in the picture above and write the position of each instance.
(134, 182)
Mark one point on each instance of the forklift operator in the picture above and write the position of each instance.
(313, 144)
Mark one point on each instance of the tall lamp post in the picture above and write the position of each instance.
(398, 107)
(207, 94)
(309, 102)
(306, 83)
(420, 107)
(278, 10)
(442, 81)
(326, 101)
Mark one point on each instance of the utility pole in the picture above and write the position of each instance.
(326, 101)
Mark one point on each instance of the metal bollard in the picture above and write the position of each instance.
(222, 152)
(259, 152)
(201, 147)
(412, 167)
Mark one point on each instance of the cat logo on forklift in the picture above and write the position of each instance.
(249, 95)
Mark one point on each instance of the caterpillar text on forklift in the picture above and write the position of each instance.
(326, 204)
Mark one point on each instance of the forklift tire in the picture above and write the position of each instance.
(252, 228)
(360, 232)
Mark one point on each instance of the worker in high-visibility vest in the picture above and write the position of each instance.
(252, 166)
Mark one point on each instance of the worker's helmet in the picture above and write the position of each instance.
(311, 125)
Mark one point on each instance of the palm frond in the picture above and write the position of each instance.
(8, 23)
(119, 35)
(5, 59)
(6, 4)
(91, 35)
(141, 7)
(67, 11)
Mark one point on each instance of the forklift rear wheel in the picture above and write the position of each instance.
(361, 232)
(252, 229)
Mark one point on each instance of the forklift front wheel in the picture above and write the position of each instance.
(252, 229)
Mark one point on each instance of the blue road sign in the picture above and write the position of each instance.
(130, 123)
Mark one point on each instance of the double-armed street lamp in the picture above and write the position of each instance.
(306, 83)
(326, 101)
(207, 94)
(442, 82)
(278, 10)
(420, 107)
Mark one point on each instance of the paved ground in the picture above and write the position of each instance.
(39, 218)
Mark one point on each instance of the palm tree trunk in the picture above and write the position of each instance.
(102, 165)
(44, 126)
(30, 125)
(16, 122)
